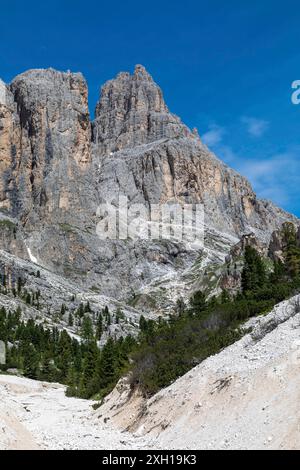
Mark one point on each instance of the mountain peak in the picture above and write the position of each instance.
(141, 73)
(132, 111)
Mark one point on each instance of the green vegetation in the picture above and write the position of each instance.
(164, 350)
(52, 355)
(168, 349)
(6, 223)
(68, 228)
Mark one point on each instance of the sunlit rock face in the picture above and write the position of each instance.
(146, 152)
(132, 111)
(54, 144)
(57, 166)
(45, 148)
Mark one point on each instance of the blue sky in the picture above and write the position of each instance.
(225, 68)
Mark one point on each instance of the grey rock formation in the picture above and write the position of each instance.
(54, 143)
(46, 163)
(145, 152)
(56, 166)
(131, 112)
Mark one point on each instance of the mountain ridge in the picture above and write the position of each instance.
(57, 165)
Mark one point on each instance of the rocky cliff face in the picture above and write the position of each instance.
(45, 142)
(57, 166)
(131, 112)
(145, 152)
(45, 147)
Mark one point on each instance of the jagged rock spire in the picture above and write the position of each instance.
(132, 111)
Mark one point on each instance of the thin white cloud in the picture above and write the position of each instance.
(255, 127)
(213, 136)
(275, 177)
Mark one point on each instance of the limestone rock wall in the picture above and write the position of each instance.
(56, 166)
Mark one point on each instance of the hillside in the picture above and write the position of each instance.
(245, 397)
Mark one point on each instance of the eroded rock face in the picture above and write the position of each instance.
(184, 171)
(131, 112)
(45, 150)
(56, 167)
(54, 144)
(9, 147)
(3, 92)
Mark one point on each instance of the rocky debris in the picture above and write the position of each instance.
(55, 291)
(38, 415)
(46, 165)
(245, 397)
(281, 313)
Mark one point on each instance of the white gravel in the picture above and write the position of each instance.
(246, 397)
(39, 415)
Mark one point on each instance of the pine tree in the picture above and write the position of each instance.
(70, 319)
(107, 364)
(64, 354)
(225, 297)
(19, 285)
(197, 303)
(254, 272)
(31, 362)
(180, 306)
(291, 250)
(72, 382)
(63, 310)
(46, 372)
(99, 327)
(119, 315)
(88, 384)
(87, 331)
(143, 323)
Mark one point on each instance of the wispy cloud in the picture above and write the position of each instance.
(214, 139)
(255, 127)
(275, 176)
(213, 136)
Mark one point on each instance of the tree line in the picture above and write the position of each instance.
(164, 349)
